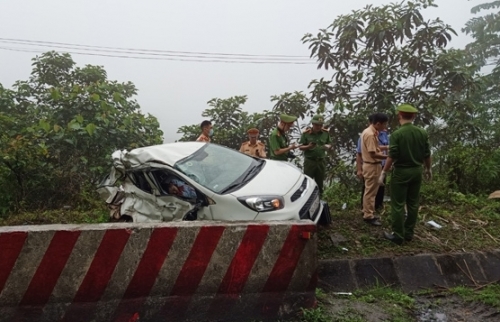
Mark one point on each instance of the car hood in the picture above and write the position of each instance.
(275, 178)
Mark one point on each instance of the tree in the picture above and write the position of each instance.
(484, 50)
(485, 30)
(230, 122)
(61, 127)
(297, 104)
(381, 57)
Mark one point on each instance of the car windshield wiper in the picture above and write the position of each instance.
(254, 170)
(231, 187)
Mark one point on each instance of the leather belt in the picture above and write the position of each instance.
(379, 162)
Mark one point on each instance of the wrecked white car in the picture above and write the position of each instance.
(205, 181)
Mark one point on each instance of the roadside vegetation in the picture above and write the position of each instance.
(388, 304)
(60, 126)
(469, 222)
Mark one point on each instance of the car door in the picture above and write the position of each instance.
(145, 202)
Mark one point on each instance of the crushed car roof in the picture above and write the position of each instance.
(168, 154)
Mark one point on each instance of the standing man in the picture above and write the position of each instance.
(372, 157)
(278, 142)
(253, 146)
(408, 151)
(314, 142)
(383, 140)
(206, 131)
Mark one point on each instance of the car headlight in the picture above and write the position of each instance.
(263, 203)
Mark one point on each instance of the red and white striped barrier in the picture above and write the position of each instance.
(157, 272)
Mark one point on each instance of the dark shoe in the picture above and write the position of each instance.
(408, 238)
(393, 238)
(373, 221)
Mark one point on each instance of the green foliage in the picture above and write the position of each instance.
(296, 103)
(485, 31)
(337, 194)
(230, 122)
(314, 315)
(348, 315)
(383, 56)
(489, 295)
(436, 192)
(394, 296)
(59, 129)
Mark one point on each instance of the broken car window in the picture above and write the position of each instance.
(216, 167)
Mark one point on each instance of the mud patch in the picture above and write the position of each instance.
(376, 306)
(353, 310)
(453, 308)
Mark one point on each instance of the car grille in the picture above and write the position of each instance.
(296, 195)
(304, 211)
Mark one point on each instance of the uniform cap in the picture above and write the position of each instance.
(287, 118)
(253, 131)
(406, 108)
(318, 119)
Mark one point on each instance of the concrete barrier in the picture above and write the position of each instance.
(411, 273)
(163, 272)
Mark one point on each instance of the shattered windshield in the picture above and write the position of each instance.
(218, 169)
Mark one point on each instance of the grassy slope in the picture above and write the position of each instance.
(469, 223)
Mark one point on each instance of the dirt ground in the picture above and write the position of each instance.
(449, 308)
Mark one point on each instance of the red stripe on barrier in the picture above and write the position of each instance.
(50, 268)
(313, 283)
(237, 274)
(283, 269)
(242, 263)
(140, 286)
(192, 272)
(100, 271)
(11, 245)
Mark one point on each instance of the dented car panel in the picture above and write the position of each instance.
(204, 181)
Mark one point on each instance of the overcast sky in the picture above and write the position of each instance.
(176, 92)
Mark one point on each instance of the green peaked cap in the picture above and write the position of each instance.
(318, 119)
(287, 118)
(407, 108)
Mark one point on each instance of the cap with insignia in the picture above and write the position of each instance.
(253, 132)
(406, 108)
(318, 119)
(287, 118)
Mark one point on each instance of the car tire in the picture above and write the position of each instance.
(325, 218)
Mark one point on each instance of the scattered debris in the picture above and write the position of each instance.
(434, 224)
(455, 226)
(479, 222)
(493, 238)
(337, 239)
(495, 195)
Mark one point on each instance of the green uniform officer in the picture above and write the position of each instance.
(278, 142)
(409, 149)
(314, 142)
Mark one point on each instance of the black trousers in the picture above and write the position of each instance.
(379, 199)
